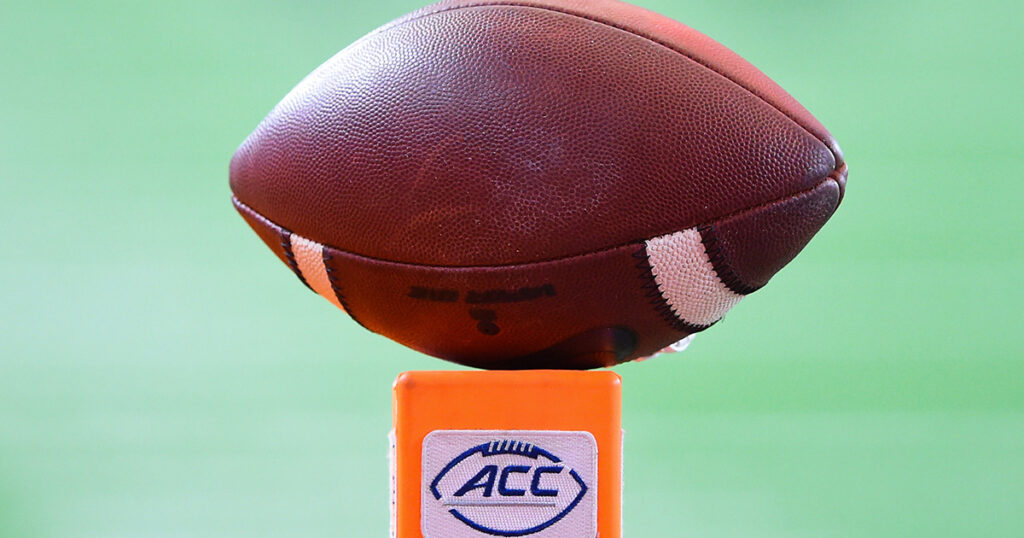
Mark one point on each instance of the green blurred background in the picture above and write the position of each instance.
(158, 378)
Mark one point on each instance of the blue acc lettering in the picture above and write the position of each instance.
(485, 480)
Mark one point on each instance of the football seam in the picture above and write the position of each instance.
(289, 254)
(600, 251)
(336, 287)
(631, 31)
(723, 270)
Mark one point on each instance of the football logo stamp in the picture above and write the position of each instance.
(478, 483)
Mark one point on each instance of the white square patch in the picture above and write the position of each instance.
(479, 483)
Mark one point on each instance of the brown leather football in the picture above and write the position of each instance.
(537, 183)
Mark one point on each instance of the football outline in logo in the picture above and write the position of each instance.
(518, 448)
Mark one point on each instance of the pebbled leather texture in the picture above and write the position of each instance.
(490, 145)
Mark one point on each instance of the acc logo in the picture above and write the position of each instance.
(511, 486)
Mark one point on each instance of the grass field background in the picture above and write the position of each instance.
(162, 375)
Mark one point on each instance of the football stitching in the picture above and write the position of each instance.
(289, 254)
(650, 287)
(728, 216)
(284, 235)
(724, 271)
(336, 287)
(631, 31)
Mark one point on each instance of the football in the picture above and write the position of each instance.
(537, 183)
